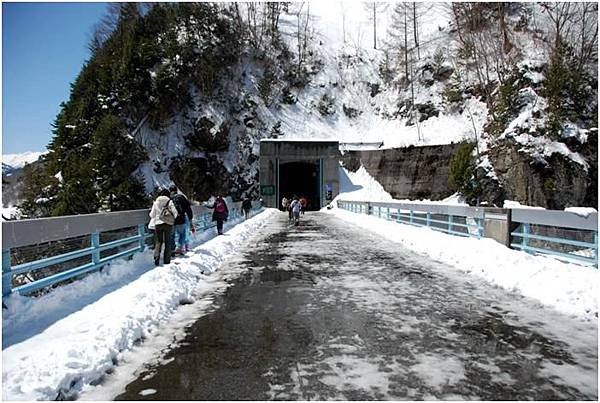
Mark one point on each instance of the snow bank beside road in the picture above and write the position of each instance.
(79, 348)
(361, 186)
(569, 288)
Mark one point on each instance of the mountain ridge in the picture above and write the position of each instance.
(197, 122)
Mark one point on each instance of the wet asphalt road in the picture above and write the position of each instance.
(328, 311)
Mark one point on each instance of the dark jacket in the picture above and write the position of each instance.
(183, 207)
(247, 204)
(219, 216)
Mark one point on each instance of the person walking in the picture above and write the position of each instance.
(184, 214)
(303, 203)
(247, 206)
(285, 203)
(295, 208)
(163, 213)
(220, 214)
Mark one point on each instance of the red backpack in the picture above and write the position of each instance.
(220, 206)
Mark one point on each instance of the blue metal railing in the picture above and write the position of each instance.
(532, 222)
(422, 215)
(523, 226)
(131, 244)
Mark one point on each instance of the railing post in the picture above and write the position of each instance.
(480, 223)
(596, 248)
(428, 219)
(387, 214)
(6, 274)
(450, 222)
(368, 208)
(96, 246)
(410, 220)
(398, 216)
(142, 235)
(525, 238)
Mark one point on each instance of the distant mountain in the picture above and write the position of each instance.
(12, 175)
(11, 162)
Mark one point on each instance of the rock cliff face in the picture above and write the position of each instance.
(554, 184)
(407, 173)
(422, 173)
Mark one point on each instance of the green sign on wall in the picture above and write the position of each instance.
(267, 190)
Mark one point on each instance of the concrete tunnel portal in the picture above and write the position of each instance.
(300, 168)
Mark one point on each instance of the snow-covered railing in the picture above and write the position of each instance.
(538, 232)
(563, 234)
(90, 254)
(456, 220)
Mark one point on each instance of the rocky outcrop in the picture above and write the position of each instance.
(407, 173)
(555, 183)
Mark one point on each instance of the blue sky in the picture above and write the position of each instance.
(43, 50)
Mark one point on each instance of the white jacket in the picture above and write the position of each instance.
(296, 206)
(158, 206)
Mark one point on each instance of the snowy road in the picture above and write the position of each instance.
(329, 311)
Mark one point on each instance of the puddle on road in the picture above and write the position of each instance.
(277, 276)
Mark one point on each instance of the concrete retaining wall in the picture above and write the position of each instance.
(407, 173)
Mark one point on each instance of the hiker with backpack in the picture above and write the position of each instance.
(220, 214)
(163, 214)
(295, 208)
(184, 219)
(246, 207)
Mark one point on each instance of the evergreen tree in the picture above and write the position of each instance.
(39, 193)
(115, 156)
(462, 170)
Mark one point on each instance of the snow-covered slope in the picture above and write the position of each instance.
(338, 86)
(347, 72)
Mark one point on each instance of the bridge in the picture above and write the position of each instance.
(359, 302)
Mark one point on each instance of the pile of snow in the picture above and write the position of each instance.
(11, 213)
(516, 204)
(455, 199)
(581, 211)
(568, 287)
(81, 341)
(19, 160)
(360, 186)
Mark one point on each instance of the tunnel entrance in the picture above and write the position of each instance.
(291, 167)
(300, 179)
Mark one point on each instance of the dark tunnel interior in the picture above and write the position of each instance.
(300, 179)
